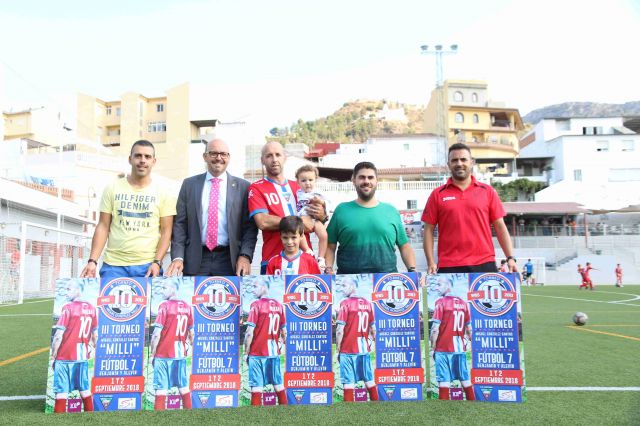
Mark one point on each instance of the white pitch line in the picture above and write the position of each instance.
(26, 303)
(21, 398)
(26, 315)
(613, 302)
(584, 389)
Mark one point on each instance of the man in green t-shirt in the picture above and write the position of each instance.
(367, 231)
(136, 217)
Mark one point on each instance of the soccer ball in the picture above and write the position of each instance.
(580, 318)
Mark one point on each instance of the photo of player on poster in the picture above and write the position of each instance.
(73, 342)
(170, 343)
(263, 337)
(354, 328)
(449, 337)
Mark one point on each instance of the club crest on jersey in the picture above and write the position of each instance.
(492, 294)
(216, 298)
(395, 294)
(122, 299)
(308, 296)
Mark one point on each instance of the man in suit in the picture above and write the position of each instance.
(212, 232)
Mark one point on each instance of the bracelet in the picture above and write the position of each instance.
(510, 258)
(411, 269)
(157, 262)
(246, 256)
(92, 261)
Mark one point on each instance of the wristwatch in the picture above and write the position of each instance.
(411, 269)
(157, 262)
(92, 261)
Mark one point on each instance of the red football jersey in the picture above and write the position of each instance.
(267, 196)
(453, 315)
(267, 317)
(585, 272)
(356, 314)
(619, 272)
(302, 263)
(78, 321)
(175, 317)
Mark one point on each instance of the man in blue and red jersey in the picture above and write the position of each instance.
(355, 330)
(263, 338)
(451, 324)
(72, 346)
(171, 339)
(274, 197)
(464, 209)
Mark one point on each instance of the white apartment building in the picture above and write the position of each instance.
(592, 161)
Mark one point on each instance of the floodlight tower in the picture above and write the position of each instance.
(439, 51)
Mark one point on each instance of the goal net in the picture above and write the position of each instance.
(34, 256)
(539, 269)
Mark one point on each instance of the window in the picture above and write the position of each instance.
(563, 125)
(159, 107)
(577, 175)
(627, 146)
(406, 147)
(118, 111)
(412, 204)
(108, 110)
(476, 119)
(459, 117)
(602, 146)
(458, 96)
(474, 97)
(157, 126)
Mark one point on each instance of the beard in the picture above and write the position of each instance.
(363, 196)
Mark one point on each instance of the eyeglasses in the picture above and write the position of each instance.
(214, 154)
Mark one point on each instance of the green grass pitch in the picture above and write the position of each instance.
(605, 352)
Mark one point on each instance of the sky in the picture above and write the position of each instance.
(273, 62)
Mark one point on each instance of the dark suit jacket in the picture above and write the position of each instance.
(186, 241)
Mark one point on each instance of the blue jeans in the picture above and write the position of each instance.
(133, 271)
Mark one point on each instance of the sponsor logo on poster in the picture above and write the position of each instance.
(389, 390)
(457, 394)
(507, 395)
(409, 393)
(126, 403)
(308, 296)
(105, 401)
(75, 406)
(318, 397)
(298, 395)
(492, 294)
(122, 299)
(360, 395)
(224, 401)
(486, 393)
(173, 402)
(203, 397)
(216, 298)
(395, 294)
(269, 398)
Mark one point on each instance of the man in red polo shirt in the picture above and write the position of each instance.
(464, 210)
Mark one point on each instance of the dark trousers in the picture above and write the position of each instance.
(216, 263)
(483, 267)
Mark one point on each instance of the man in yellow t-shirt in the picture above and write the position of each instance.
(136, 217)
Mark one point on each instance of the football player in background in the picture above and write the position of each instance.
(451, 324)
(73, 344)
(265, 335)
(172, 337)
(355, 330)
(619, 276)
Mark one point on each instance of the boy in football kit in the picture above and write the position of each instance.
(170, 342)
(264, 336)
(451, 324)
(619, 276)
(72, 346)
(306, 177)
(355, 329)
(292, 260)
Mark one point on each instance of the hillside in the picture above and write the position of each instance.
(355, 122)
(583, 109)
